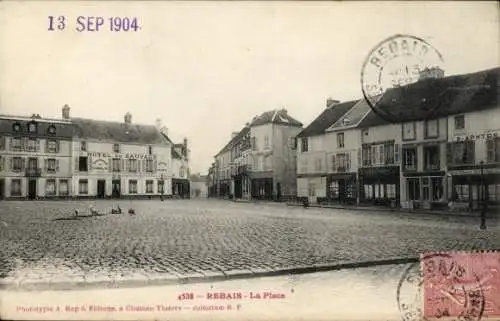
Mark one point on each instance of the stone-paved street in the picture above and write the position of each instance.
(40, 243)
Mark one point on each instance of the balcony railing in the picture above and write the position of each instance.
(432, 167)
(33, 172)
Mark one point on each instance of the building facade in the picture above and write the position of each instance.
(180, 170)
(259, 161)
(35, 157)
(113, 159)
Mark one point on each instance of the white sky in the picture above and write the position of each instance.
(206, 68)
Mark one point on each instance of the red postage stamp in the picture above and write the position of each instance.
(464, 285)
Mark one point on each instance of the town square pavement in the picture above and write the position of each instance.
(42, 244)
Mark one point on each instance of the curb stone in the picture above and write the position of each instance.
(197, 277)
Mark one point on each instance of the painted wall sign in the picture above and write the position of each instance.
(100, 164)
(121, 155)
(477, 136)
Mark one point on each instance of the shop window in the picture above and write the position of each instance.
(132, 186)
(410, 158)
(63, 187)
(436, 188)
(413, 189)
(50, 187)
(391, 190)
(350, 190)
(461, 193)
(368, 189)
(334, 189)
(15, 187)
(149, 186)
(425, 189)
(83, 187)
(83, 164)
(161, 186)
(460, 122)
(312, 189)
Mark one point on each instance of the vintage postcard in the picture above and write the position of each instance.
(240, 160)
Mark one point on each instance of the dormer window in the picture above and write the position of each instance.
(16, 127)
(52, 129)
(32, 127)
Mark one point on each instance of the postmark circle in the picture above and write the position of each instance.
(456, 298)
(395, 62)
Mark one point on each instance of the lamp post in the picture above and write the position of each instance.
(483, 198)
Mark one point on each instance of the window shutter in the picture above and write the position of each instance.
(45, 164)
(396, 154)
(334, 163)
(77, 164)
(154, 165)
(490, 151)
(24, 143)
(57, 165)
(23, 163)
(128, 167)
(89, 163)
(359, 157)
(449, 154)
(122, 161)
(46, 146)
(57, 146)
(11, 163)
(110, 164)
(348, 161)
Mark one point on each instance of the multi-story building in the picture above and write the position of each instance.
(35, 157)
(259, 161)
(115, 159)
(180, 170)
(318, 168)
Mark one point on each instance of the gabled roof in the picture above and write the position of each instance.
(279, 116)
(441, 97)
(174, 153)
(235, 139)
(353, 117)
(328, 117)
(63, 129)
(119, 132)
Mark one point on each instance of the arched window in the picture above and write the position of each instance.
(181, 171)
(16, 127)
(32, 126)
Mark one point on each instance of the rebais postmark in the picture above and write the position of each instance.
(397, 61)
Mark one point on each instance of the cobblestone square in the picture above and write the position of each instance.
(42, 243)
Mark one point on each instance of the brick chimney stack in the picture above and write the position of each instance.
(128, 118)
(65, 112)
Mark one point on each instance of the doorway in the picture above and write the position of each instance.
(116, 188)
(2, 189)
(101, 188)
(32, 189)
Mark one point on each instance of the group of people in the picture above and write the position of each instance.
(117, 210)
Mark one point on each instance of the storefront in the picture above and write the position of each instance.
(470, 188)
(424, 190)
(379, 185)
(180, 188)
(341, 188)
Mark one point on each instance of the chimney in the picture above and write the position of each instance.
(65, 112)
(128, 118)
(331, 101)
(158, 124)
(164, 130)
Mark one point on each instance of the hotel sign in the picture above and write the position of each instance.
(120, 155)
(486, 135)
